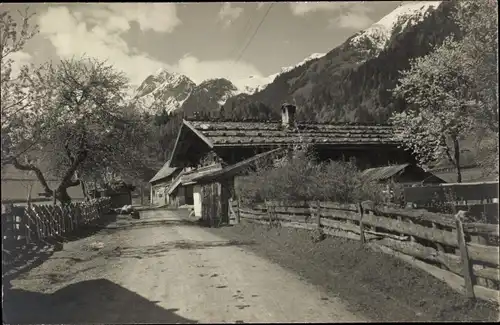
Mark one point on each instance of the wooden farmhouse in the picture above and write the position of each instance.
(238, 145)
(231, 142)
(161, 182)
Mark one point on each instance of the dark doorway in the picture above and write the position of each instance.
(189, 195)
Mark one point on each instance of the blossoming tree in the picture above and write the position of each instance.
(72, 116)
(452, 91)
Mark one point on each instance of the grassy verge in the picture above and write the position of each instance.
(378, 286)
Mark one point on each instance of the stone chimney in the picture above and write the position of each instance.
(288, 116)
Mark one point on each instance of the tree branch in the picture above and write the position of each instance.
(447, 151)
(37, 172)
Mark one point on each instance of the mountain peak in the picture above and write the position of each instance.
(164, 89)
(255, 83)
(171, 91)
(381, 32)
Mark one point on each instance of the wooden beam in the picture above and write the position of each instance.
(199, 134)
(454, 281)
(464, 256)
(483, 253)
(176, 145)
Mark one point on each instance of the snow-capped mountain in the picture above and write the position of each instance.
(316, 83)
(163, 90)
(352, 82)
(169, 91)
(254, 84)
(379, 34)
(212, 93)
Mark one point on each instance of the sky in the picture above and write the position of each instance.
(199, 40)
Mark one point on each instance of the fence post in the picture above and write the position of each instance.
(361, 225)
(464, 256)
(268, 211)
(38, 224)
(27, 226)
(238, 216)
(318, 214)
(314, 213)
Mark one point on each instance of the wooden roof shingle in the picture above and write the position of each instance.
(222, 133)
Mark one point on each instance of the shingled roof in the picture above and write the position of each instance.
(164, 172)
(237, 168)
(387, 172)
(383, 173)
(186, 178)
(219, 133)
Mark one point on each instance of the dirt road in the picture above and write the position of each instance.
(160, 269)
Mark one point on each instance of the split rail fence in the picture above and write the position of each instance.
(464, 255)
(38, 223)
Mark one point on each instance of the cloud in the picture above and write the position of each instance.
(304, 8)
(158, 17)
(229, 14)
(349, 15)
(352, 20)
(198, 70)
(71, 36)
(97, 33)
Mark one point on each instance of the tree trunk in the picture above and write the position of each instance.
(84, 190)
(28, 199)
(456, 147)
(63, 196)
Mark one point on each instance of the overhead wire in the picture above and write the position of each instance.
(246, 31)
(255, 33)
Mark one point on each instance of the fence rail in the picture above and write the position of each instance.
(464, 255)
(29, 225)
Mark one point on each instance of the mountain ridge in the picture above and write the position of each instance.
(323, 85)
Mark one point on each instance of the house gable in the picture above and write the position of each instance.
(190, 146)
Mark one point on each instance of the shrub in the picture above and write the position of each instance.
(303, 179)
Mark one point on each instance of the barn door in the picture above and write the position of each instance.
(211, 209)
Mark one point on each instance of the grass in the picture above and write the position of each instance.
(373, 284)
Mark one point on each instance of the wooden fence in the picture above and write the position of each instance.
(464, 255)
(479, 199)
(29, 225)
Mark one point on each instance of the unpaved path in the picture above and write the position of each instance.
(159, 269)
